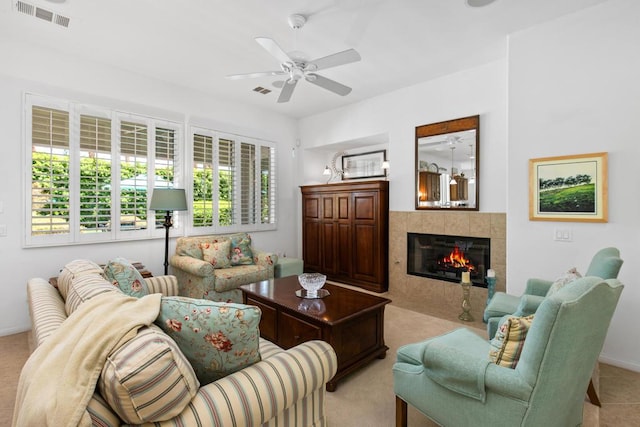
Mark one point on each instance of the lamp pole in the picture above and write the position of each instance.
(167, 225)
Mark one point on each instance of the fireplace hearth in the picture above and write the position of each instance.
(445, 257)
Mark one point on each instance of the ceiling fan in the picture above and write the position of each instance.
(294, 66)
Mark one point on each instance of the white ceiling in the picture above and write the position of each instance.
(196, 43)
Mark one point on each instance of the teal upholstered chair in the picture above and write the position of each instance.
(451, 380)
(605, 264)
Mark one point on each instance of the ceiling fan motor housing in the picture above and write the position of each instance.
(297, 21)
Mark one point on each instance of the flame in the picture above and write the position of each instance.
(456, 259)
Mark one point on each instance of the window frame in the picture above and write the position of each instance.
(236, 226)
(74, 111)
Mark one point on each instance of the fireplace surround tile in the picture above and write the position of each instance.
(480, 225)
(456, 223)
(439, 298)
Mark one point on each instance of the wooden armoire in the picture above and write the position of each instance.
(345, 232)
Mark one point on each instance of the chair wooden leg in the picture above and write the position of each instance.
(593, 396)
(401, 412)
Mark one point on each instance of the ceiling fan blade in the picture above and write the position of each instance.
(287, 91)
(274, 49)
(254, 75)
(329, 84)
(345, 57)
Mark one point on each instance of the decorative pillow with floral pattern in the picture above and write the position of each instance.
(241, 253)
(126, 277)
(569, 277)
(217, 338)
(217, 253)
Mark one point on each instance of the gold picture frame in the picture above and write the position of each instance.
(568, 188)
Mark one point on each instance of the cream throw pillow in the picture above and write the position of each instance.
(507, 345)
(563, 281)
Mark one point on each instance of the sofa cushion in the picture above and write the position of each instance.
(563, 281)
(507, 344)
(73, 269)
(231, 278)
(217, 338)
(148, 379)
(217, 253)
(126, 277)
(84, 288)
(241, 253)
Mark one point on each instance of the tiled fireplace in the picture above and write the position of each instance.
(438, 296)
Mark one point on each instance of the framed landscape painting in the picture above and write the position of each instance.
(568, 188)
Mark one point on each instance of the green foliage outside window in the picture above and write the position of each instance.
(95, 199)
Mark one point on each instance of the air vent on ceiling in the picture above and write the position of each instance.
(261, 90)
(44, 14)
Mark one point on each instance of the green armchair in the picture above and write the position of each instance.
(605, 264)
(451, 380)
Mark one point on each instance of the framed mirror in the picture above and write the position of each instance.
(448, 165)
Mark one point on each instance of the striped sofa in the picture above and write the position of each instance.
(284, 388)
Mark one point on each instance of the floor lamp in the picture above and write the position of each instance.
(169, 200)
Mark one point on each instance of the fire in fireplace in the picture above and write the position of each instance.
(446, 257)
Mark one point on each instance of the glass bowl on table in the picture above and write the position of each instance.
(311, 283)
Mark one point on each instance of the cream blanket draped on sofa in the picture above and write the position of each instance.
(60, 377)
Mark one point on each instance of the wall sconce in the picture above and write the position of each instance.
(385, 168)
(327, 172)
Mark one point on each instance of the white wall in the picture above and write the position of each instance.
(574, 88)
(480, 90)
(25, 68)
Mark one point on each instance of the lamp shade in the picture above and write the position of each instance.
(168, 199)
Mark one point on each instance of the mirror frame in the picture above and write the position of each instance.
(440, 128)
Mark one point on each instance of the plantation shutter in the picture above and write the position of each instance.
(226, 182)
(95, 174)
(165, 142)
(50, 209)
(133, 176)
(202, 181)
(267, 185)
(248, 185)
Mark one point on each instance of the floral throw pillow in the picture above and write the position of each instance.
(507, 344)
(217, 253)
(217, 338)
(126, 277)
(241, 253)
(563, 281)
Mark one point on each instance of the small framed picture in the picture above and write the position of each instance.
(568, 188)
(364, 165)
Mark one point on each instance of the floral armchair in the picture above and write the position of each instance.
(214, 267)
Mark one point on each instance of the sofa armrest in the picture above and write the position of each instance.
(264, 258)
(538, 287)
(256, 394)
(46, 307)
(194, 266)
(165, 285)
(528, 305)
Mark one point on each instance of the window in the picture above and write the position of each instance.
(93, 170)
(233, 183)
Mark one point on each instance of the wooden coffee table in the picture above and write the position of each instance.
(351, 321)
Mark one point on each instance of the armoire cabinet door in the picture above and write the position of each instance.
(345, 232)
